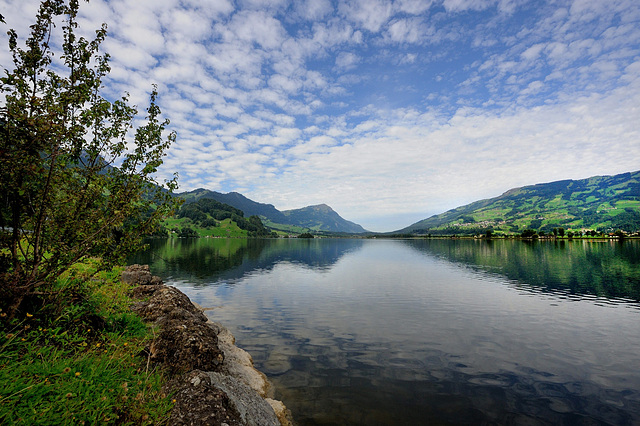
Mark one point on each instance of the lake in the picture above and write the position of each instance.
(405, 332)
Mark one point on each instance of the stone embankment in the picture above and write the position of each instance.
(213, 382)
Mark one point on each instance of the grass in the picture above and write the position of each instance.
(225, 229)
(287, 229)
(80, 359)
(628, 204)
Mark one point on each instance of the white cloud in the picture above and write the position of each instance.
(257, 28)
(129, 55)
(409, 31)
(285, 84)
(414, 7)
(346, 61)
(263, 4)
(532, 88)
(313, 9)
(368, 14)
(211, 8)
(463, 5)
(532, 53)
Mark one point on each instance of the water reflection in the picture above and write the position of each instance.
(201, 260)
(607, 269)
(357, 332)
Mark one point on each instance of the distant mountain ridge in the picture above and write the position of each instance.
(598, 203)
(316, 218)
(322, 217)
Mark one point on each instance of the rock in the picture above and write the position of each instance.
(185, 344)
(185, 341)
(162, 300)
(282, 412)
(214, 382)
(253, 409)
(139, 275)
(198, 402)
(238, 362)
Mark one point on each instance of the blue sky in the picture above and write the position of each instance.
(388, 111)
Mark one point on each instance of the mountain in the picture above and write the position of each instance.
(315, 218)
(599, 203)
(237, 200)
(322, 218)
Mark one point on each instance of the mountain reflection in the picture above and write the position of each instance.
(205, 260)
(597, 268)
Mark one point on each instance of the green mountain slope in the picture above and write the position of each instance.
(314, 218)
(207, 217)
(601, 203)
(237, 200)
(321, 218)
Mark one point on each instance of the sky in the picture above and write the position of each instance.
(389, 111)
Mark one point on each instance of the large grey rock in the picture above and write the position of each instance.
(161, 301)
(139, 275)
(198, 402)
(185, 341)
(238, 362)
(185, 344)
(253, 409)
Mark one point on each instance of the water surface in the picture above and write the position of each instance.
(395, 332)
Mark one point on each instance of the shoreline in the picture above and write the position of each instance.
(212, 380)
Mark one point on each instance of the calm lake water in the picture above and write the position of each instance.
(405, 332)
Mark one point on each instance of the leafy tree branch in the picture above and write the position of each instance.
(73, 183)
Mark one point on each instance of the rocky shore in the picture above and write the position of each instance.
(213, 382)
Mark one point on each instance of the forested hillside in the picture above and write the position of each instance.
(214, 218)
(601, 203)
(320, 218)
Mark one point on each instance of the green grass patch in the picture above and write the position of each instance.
(287, 229)
(225, 229)
(628, 204)
(81, 361)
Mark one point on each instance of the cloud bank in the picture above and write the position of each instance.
(389, 111)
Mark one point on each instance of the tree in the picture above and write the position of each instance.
(187, 232)
(209, 223)
(62, 197)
